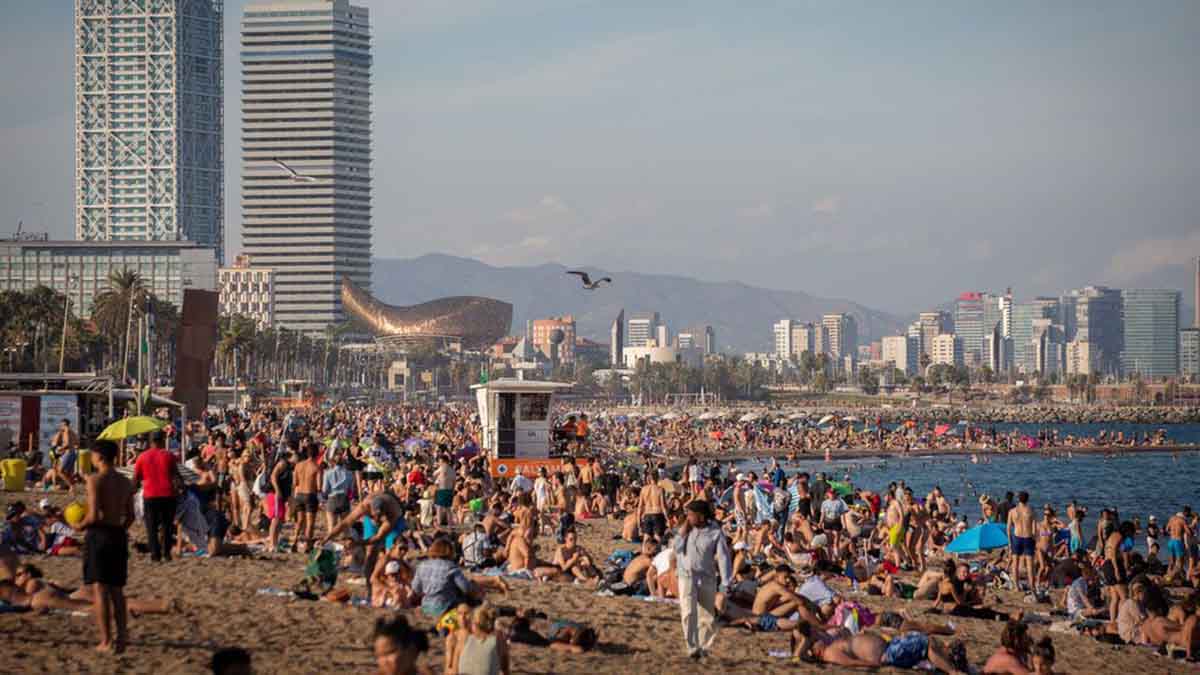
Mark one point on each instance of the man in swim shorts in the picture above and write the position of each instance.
(106, 545)
(1176, 532)
(1020, 540)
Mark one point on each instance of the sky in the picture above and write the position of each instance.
(890, 153)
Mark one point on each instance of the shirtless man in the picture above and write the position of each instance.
(775, 598)
(868, 650)
(651, 513)
(106, 541)
(306, 482)
(896, 521)
(641, 571)
(1020, 538)
(1177, 528)
(385, 511)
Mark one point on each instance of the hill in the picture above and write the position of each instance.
(741, 315)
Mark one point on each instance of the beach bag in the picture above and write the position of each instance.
(322, 570)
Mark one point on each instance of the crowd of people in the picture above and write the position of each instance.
(403, 496)
(723, 433)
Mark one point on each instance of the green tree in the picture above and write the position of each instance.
(116, 309)
(868, 380)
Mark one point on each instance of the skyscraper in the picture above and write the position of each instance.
(1024, 349)
(148, 121)
(933, 324)
(643, 327)
(1096, 321)
(901, 352)
(842, 333)
(1189, 353)
(1151, 320)
(1196, 297)
(968, 325)
(616, 341)
(306, 103)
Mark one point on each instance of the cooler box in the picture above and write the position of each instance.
(13, 471)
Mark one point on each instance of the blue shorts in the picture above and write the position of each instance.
(1022, 545)
(907, 650)
(1175, 548)
(767, 623)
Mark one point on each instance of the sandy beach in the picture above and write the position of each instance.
(221, 608)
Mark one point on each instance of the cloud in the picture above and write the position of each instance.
(1149, 254)
(548, 208)
(758, 211)
(531, 248)
(827, 206)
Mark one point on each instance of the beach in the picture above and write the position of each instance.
(221, 607)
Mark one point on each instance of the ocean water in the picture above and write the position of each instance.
(1176, 433)
(1136, 484)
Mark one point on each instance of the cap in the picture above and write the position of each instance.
(393, 567)
(43, 504)
(1153, 519)
(741, 477)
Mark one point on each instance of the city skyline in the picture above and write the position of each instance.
(464, 108)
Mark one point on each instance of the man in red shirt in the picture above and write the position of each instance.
(156, 472)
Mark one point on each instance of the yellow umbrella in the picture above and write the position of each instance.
(131, 426)
(633, 449)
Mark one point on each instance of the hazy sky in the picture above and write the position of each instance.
(892, 153)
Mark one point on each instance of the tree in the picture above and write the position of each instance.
(868, 380)
(986, 375)
(116, 308)
(236, 342)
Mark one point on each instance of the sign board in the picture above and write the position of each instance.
(508, 468)
(56, 408)
(10, 420)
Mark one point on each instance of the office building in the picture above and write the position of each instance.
(901, 351)
(969, 326)
(81, 269)
(543, 329)
(997, 351)
(1005, 303)
(642, 328)
(148, 121)
(616, 341)
(697, 337)
(1048, 347)
(1024, 354)
(1189, 353)
(306, 102)
(782, 331)
(933, 324)
(839, 336)
(1196, 296)
(635, 356)
(248, 291)
(793, 338)
(662, 336)
(1082, 358)
(1151, 336)
(946, 349)
(1094, 314)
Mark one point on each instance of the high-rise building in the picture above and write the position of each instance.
(782, 330)
(306, 108)
(248, 291)
(968, 324)
(542, 329)
(1151, 336)
(842, 335)
(933, 324)
(1082, 358)
(1024, 355)
(662, 335)
(1196, 297)
(616, 341)
(947, 349)
(1093, 315)
(642, 328)
(901, 351)
(148, 121)
(1048, 347)
(1006, 304)
(1189, 353)
(697, 337)
(997, 350)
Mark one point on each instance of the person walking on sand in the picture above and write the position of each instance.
(106, 546)
(1020, 538)
(702, 552)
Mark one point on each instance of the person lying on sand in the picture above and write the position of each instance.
(564, 636)
(869, 650)
(30, 590)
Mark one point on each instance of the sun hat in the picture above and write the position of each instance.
(393, 567)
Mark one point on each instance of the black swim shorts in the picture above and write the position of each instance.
(106, 555)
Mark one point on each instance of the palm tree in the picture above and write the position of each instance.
(116, 306)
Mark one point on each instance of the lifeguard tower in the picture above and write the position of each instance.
(515, 418)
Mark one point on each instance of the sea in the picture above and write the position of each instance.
(1182, 434)
(1137, 484)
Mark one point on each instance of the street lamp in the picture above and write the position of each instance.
(62, 347)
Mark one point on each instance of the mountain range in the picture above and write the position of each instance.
(741, 315)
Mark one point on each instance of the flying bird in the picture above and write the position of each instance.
(298, 177)
(587, 281)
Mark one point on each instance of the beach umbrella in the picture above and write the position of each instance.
(633, 449)
(851, 418)
(131, 426)
(983, 537)
(749, 417)
(670, 416)
(941, 429)
(825, 420)
(709, 416)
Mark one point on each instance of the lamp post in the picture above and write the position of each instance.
(62, 347)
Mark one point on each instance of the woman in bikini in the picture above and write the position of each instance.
(1044, 561)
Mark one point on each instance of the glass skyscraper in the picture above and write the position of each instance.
(1151, 333)
(148, 121)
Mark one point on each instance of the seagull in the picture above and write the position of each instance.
(587, 281)
(300, 178)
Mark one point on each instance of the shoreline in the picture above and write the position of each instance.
(879, 453)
